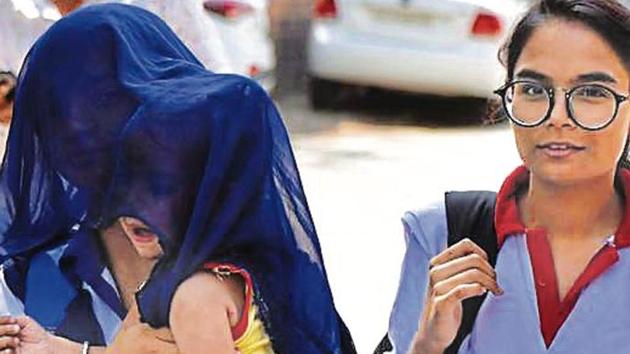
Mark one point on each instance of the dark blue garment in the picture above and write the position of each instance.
(66, 286)
(114, 116)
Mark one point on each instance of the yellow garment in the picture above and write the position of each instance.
(254, 340)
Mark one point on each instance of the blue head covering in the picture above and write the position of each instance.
(114, 116)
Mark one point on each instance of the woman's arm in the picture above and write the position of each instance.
(24, 335)
(434, 281)
(204, 309)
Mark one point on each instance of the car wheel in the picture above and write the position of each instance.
(323, 94)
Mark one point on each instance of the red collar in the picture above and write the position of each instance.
(507, 220)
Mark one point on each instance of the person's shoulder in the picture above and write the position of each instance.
(428, 213)
(427, 225)
(429, 209)
(199, 286)
(204, 289)
(203, 296)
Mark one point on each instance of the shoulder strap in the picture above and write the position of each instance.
(471, 215)
(347, 343)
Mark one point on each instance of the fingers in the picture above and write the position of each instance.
(457, 295)
(9, 330)
(468, 277)
(462, 263)
(460, 249)
(459, 265)
(9, 342)
(149, 334)
(7, 320)
(24, 321)
(158, 340)
(164, 334)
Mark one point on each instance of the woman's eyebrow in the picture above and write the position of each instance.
(595, 76)
(533, 75)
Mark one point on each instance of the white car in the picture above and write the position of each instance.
(243, 26)
(442, 47)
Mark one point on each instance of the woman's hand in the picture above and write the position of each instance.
(460, 272)
(23, 335)
(9, 331)
(142, 339)
(137, 337)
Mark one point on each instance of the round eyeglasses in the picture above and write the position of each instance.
(589, 106)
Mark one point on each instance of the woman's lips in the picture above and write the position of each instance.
(142, 235)
(559, 150)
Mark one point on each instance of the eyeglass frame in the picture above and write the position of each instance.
(551, 94)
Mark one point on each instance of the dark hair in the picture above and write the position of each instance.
(608, 18)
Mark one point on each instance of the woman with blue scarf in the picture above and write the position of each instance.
(116, 123)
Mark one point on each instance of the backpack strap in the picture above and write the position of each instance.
(347, 344)
(471, 215)
(384, 346)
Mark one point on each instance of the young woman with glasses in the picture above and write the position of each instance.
(562, 220)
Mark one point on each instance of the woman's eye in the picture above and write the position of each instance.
(532, 90)
(593, 92)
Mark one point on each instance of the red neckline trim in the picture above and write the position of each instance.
(241, 326)
(507, 219)
(552, 310)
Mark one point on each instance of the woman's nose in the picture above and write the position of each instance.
(559, 115)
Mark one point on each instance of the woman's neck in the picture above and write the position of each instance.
(589, 209)
(127, 267)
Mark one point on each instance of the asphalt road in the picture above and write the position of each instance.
(366, 163)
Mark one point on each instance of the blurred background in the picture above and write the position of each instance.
(385, 100)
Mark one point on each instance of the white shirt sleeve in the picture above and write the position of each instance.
(426, 235)
(9, 303)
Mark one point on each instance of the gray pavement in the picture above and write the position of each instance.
(363, 168)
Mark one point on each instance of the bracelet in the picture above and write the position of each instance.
(86, 347)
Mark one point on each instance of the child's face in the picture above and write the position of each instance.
(142, 238)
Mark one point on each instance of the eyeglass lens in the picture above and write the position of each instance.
(590, 105)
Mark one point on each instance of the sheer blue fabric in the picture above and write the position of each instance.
(114, 116)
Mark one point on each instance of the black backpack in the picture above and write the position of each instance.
(469, 215)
